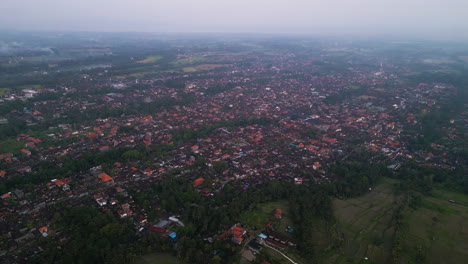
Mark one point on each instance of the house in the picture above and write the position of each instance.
(24, 169)
(298, 180)
(237, 234)
(43, 230)
(198, 182)
(195, 148)
(278, 213)
(104, 148)
(105, 178)
(26, 152)
(316, 165)
(237, 240)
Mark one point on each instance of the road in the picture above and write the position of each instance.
(288, 258)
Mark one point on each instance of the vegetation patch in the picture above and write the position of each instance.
(436, 232)
(184, 60)
(32, 86)
(204, 67)
(150, 59)
(261, 214)
(157, 258)
(10, 146)
(3, 91)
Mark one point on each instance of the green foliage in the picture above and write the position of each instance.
(355, 178)
(95, 237)
(191, 135)
(10, 146)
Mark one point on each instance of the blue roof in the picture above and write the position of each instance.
(262, 235)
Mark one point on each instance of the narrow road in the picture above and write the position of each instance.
(288, 258)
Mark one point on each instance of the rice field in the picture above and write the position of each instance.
(435, 233)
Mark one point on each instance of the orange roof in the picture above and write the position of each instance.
(198, 182)
(91, 135)
(236, 228)
(59, 182)
(239, 239)
(6, 195)
(25, 151)
(278, 211)
(105, 178)
(43, 229)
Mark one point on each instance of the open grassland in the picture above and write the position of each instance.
(10, 146)
(437, 232)
(366, 224)
(264, 213)
(88, 50)
(150, 59)
(32, 86)
(3, 91)
(184, 60)
(157, 258)
(260, 216)
(204, 67)
(439, 229)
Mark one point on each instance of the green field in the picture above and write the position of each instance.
(264, 213)
(437, 232)
(150, 59)
(157, 258)
(10, 146)
(366, 223)
(204, 67)
(187, 60)
(32, 86)
(3, 91)
(440, 229)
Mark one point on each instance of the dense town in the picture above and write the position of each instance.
(282, 116)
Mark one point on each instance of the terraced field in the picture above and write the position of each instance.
(157, 258)
(439, 229)
(366, 223)
(435, 233)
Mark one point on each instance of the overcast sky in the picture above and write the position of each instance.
(446, 19)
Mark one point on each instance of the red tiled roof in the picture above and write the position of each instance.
(198, 182)
(104, 177)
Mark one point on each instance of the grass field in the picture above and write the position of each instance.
(10, 146)
(187, 60)
(438, 230)
(150, 59)
(157, 258)
(204, 67)
(366, 225)
(3, 90)
(264, 213)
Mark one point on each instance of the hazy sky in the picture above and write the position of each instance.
(424, 18)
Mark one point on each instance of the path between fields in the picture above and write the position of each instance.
(288, 258)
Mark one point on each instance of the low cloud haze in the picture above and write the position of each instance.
(431, 19)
